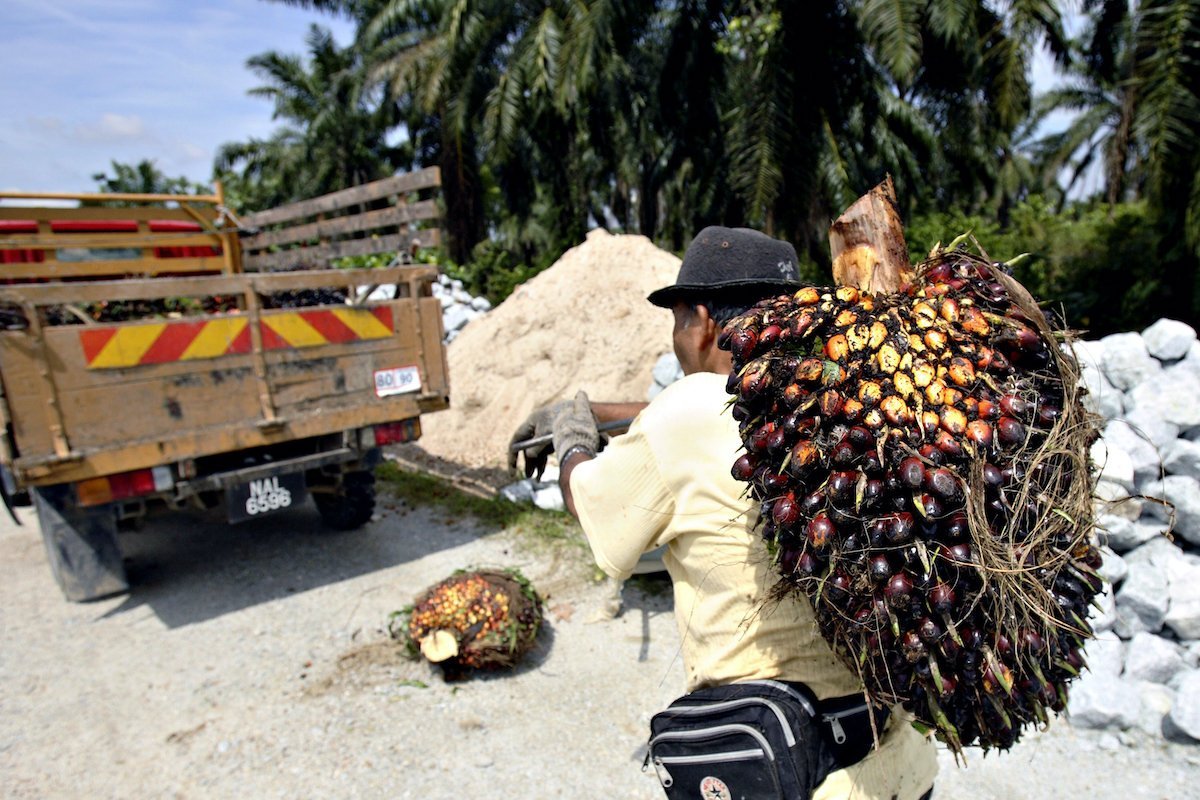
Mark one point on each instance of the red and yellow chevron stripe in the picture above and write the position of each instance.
(113, 346)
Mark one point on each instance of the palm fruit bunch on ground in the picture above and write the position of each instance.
(485, 619)
(920, 456)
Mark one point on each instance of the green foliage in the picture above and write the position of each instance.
(493, 272)
(1095, 266)
(145, 177)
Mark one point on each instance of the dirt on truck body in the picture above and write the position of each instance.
(158, 353)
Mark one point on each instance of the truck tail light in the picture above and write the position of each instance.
(124, 485)
(406, 430)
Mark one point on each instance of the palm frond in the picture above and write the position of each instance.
(893, 27)
(952, 20)
(1168, 117)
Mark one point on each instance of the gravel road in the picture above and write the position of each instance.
(253, 661)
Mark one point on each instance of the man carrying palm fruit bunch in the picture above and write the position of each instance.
(667, 482)
(919, 450)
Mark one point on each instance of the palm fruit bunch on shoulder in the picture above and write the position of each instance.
(919, 453)
(484, 619)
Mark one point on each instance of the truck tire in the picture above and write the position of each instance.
(81, 544)
(351, 505)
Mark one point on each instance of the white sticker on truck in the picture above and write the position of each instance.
(398, 380)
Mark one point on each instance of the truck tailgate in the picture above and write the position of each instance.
(86, 400)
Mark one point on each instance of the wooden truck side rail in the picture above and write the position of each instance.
(144, 235)
(131, 395)
(388, 215)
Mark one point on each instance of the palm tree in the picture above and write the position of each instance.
(1099, 89)
(1167, 121)
(144, 177)
(1135, 88)
(334, 132)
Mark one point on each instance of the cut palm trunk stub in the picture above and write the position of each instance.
(917, 445)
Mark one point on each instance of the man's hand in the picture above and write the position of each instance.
(575, 428)
(539, 423)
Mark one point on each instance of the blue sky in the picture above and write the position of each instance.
(90, 81)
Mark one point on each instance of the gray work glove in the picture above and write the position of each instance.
(575, 428)
(539, 423)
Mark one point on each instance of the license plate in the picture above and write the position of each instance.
(265, 496)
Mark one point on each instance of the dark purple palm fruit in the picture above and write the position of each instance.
(917, 446)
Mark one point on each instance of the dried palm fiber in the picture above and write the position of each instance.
(919, 451)
(483, 619)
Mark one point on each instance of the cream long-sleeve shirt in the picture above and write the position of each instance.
(667, 482)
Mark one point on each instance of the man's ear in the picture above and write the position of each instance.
(708, 328)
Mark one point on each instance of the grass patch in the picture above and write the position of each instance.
(534, 526)
(652, 584)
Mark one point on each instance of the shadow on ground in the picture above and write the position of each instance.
(194, 566)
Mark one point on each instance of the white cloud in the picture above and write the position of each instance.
(194, 152)
(114, 127)
(51, 125)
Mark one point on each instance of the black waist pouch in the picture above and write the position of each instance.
(755, 740)
(846, 723)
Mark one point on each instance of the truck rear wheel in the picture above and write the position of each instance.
(81, 544)
(351, 504)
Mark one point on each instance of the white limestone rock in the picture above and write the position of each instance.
(1112, 464)
(1102, 615)
(1183, 599)
(1159, 552)
(1182, 457)
(1105, 654)
(1183, 495)
(667, 370)
(549, 498)
(455, 317)
(1185, 711)
(381, 293)
(1142, 600)
(519, 492)
(1191, 655)
(1152, 658)
(1126, 361)
(1146, 421)
(1101, 701)
(1121, 534)
(1102, 397)
(1118, 435)
(1117, 500)
(1171, 396)
(1113, 568)
(1168, 339)
(1156, 702)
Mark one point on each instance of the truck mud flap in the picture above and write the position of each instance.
(81, 544)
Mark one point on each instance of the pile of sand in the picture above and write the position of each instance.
(584, 323)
